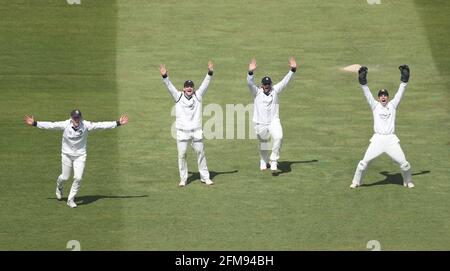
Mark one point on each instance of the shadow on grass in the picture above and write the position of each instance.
(394, 178)
(85, 200)
(212, 174)
(285, 166)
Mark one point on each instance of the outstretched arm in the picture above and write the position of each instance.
(170, 87)
(404, 77)
(362, 77)
(283, 83)
(250, 82)
(107, 124)
(204, 86)
(59, 125)
(369, 97)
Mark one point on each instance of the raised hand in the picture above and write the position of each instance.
(162, 69)
(123, 119)
(210, 66)
(252, 65)
(404, 73)
(292, 62)
(362, 75)
(29, 120)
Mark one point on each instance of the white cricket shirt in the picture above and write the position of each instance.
(188, 112)
(266, 107)
(74, 141)
(384, 116)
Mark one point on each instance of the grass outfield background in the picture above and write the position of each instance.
(103, 57)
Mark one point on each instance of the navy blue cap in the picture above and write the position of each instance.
(75, 113)
(189, 83)
(383, 92)
(266, 80)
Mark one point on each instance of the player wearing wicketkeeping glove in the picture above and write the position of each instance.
(384, 140)
(188, 111)
(266, 117)
(362, 75)
(404, 73)
(73, 147)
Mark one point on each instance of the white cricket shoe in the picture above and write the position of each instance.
(182, 184)
(207, 182)
(408, 184)
(273, 165)
(354, 185)
(262, 165)
(58, 193)
(71, 204)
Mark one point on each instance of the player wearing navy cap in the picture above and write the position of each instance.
(266, 117)
(188, 111)
(384, 139)
(73, 147)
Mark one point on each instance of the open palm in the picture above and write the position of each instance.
(29, 119)
(252, 65)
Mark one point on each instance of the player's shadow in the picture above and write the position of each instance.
(286, 166)
(88, 199)
(394, 178)
(212, 174)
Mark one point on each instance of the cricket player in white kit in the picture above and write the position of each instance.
(266, 118)
(188, 110)
(74, 147)
(384, 140)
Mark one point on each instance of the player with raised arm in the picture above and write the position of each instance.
(266, 117)
(384, 140)
(188, 110)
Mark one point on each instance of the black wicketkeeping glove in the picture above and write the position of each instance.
(404, 73)
(363, 75)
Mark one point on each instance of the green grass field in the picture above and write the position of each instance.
(103, 57)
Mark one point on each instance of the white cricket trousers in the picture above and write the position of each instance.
(379, 144)
(195, 138)
(265, 132)
(67, 163)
